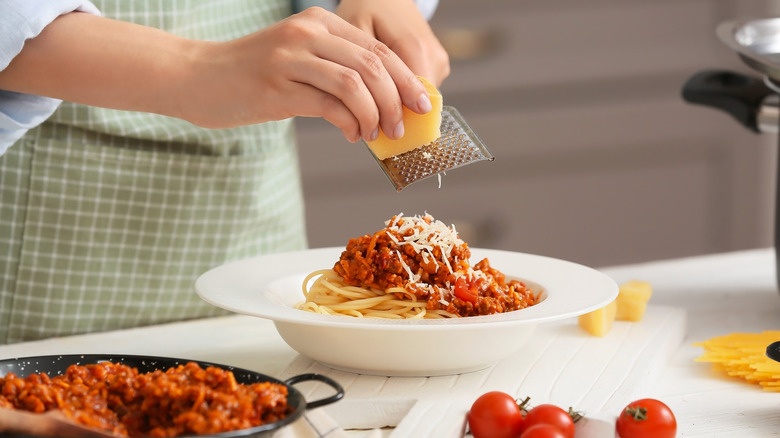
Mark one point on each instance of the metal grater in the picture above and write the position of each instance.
(457, 146)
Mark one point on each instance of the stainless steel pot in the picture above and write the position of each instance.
(753, 101)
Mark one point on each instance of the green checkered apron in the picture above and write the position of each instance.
(108, 217)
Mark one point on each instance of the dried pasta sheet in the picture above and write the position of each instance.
(743, 355)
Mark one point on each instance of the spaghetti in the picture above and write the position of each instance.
(414, 268)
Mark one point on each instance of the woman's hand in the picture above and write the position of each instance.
(399, 24)
(310, 64)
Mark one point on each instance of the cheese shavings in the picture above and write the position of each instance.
(421, 259)
(424, 234)
(412, 276)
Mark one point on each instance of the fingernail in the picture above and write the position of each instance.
(424, 103)
(398, 132)
(374, 135)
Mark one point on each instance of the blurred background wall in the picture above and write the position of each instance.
(598, 158)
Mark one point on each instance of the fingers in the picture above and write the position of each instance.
(408, 86)
(360, 77)
(425, 56)
(310, 101)
(404, 30)
(316, 64)
(359, 65)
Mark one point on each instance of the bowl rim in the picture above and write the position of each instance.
(241, 286)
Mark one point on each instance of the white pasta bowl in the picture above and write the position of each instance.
(270, 286)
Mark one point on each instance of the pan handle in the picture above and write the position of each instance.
(773, 351)
(737, 94)
(319, 377)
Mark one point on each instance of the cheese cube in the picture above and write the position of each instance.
(419, 129)
(632, 300)
(599, 322)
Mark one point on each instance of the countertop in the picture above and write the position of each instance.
(694, 299)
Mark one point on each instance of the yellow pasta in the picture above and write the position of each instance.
(329, 295)
(743, 355)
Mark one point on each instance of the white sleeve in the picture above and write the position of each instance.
(21, 20)
(426, 7)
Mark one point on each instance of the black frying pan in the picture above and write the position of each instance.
(57, 364)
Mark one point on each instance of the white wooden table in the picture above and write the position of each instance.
(694, 299)
(722, 293)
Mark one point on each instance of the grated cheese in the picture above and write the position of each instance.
(425, 234)
(426, 256)
(412, 276)
(393, 238)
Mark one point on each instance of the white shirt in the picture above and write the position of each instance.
(21, 20)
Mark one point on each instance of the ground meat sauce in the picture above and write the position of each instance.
(427, 258)
(186, 399)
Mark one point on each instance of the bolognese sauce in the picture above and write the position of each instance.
(427, 258)
(116, 398)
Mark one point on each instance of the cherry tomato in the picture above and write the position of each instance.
(552, 415)
(646, 418)
(543, 430)
(495, 414)
(465, 291)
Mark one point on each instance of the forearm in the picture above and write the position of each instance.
(310, 64)
(97, 61)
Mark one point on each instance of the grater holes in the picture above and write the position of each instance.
(457, 146)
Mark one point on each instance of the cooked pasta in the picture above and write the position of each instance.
(743, 355)
(329, 295)
(414, 268)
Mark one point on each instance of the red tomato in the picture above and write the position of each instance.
(495, 414)
(465, 291)
(543, 430)
(646, 418)
(551, 415)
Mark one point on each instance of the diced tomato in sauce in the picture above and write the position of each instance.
(384, 260)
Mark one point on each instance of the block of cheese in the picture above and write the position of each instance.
(419, 129)
(599, 321)
(632, 300)
(630, 305)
